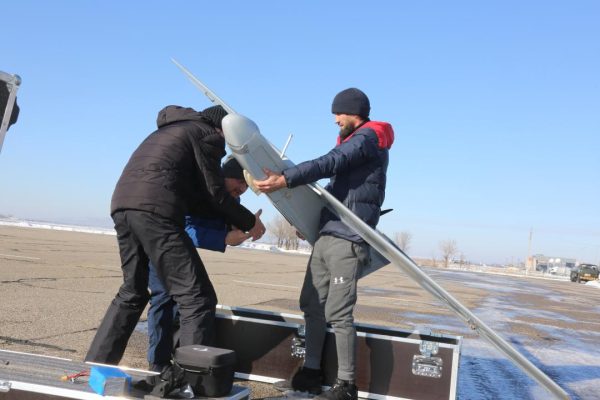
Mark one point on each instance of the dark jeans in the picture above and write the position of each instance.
(145, 237)
(163, 323)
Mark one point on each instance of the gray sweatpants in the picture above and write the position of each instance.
(328, 296)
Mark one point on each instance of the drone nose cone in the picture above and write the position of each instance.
(238, 130)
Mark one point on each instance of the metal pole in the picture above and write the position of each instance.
(13, 82)
(528, 265)
(207, 92)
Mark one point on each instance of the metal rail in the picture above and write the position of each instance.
(13, 82)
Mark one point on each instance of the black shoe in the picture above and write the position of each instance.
(304, 380)
(341, 390)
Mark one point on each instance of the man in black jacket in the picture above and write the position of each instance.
(357, 166)
(176, 171)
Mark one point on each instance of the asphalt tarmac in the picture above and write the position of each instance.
(56, 285)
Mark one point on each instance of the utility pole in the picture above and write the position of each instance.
(527, 261)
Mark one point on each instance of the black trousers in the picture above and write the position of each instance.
(144, 237)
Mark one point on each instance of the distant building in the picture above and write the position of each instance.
(544, 263)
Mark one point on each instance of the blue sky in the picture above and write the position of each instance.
(495, 105)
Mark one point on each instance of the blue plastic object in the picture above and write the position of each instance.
(106, 380)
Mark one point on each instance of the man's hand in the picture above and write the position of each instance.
(273, 182)
(258, 229)
(236, 237)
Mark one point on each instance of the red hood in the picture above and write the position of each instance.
(384, 131)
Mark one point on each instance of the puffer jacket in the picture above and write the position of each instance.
(207, 233)
(176, 170)
(357, 168)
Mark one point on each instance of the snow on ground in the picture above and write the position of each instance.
(54, 226)
(271, 247)
(569, 357)
(594, 283)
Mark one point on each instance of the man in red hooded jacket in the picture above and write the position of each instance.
(357, 166)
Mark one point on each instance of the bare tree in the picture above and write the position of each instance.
(462, 260)
(284, 233)
(448, 248)
(277, 229)
(291, 241)
(403, 240)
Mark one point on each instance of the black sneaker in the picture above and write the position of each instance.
(341, 390)
(304, 380)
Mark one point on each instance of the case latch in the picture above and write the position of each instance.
(425, 364)
(4, 386)
(299, 342)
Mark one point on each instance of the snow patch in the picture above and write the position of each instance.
(54, 226)
(595, 283)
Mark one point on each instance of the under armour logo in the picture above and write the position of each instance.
(199, 348)
(337, 280)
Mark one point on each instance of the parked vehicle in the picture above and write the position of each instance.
(585, 273)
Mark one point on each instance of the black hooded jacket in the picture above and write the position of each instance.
(176, 171)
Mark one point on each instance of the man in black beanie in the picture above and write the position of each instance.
(175, 171)
(235, 183)
(357, 167)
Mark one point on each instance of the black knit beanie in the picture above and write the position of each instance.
(352, 102)
(215, 115)
(232, 168)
